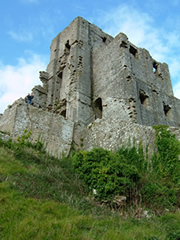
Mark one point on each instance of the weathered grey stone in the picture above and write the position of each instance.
(54, 131)
(5, 137)
(98, 91)
(112, 134)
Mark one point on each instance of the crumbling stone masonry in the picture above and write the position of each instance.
(101, 90)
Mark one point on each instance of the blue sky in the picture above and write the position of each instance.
(28, 27)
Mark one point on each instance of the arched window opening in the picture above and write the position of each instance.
(98, 108)
(167, 110)
(155, 66)
(144, 99)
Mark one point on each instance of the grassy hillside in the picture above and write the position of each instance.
(42, 197)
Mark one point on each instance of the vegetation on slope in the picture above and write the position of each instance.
(151, 183)
(42, 197)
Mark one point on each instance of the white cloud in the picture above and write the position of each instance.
(127, 20)
(21, 37)
(141, 30)
(138, 26)
(17, 81)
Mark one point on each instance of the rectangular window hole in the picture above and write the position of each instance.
(133, 51)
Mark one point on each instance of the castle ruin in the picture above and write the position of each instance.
(96, 91)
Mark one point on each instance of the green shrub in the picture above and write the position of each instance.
(126, 172)
(107, 172)
(157, 195)
(166, 161)
(134, 156)
(24, 139)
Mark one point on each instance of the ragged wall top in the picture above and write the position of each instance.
(98, 91)
(93, 75)
(132, 85)
(69, 72)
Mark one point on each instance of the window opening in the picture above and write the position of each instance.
(123, 44)
(104, 39)
(155, 65)
(60, 75)
(133, 51)
(98, 108)
(166, 109)
(144, 99)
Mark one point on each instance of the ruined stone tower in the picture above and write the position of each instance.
(93, 75)
(97, 91)
(68, 80)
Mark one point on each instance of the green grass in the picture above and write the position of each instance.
(42, 198)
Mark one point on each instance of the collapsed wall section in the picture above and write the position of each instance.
(132, 85)
(93, 75)
(61, 85)
(113, 82)
(92, 38)
(8, 118)
(69, 73)
(112, 134)
(53, 130)
(95, 78)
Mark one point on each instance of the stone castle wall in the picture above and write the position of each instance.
(53, 130)
(98, 91)
(93, 75)
(130, 82)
